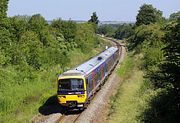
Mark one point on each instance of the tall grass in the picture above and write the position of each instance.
(133, 95)
(126, 66)
(16, 97)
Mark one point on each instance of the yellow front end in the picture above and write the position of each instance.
(64, 99)
(77, 98)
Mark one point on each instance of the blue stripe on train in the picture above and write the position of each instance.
(70, 93)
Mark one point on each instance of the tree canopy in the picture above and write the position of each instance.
(159, 46)
(148, 14)
(124, 31)
(175, 16)
(94, 18)
(3, 8)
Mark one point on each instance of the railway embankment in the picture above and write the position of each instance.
(132, 97)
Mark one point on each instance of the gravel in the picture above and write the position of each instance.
(52, 118)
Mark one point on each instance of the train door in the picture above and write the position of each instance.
(106, 68)
(89, 86)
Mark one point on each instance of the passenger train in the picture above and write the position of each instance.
(78, 85)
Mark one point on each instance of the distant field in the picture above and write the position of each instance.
(101, 22)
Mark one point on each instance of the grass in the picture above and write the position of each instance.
(132, 96)
(126, 66)
(20, 102)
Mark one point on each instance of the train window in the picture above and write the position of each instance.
(87, 82)
(64, 84)
(90, 83)
(77, 84)
(71, 84)
(106, 67)
(96, 77)
(103, 70)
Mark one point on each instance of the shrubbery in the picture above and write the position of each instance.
(31, 50)
(158, 42)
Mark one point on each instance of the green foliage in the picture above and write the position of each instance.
(94, 18)
(85, 37)
(145, 33)
(107, 29)
(67, 28)
(32, 47)
(174, 16)
(124, 31)
(147, 15)
(37, 23)
(158, 44)
(32, 54)
(17, 27)
(171, 66)
(118, 31)
(126, 66)
(152, 45)
(3, 58)
(133, 94)
(147, 40)
(5, 39)
(3, 8)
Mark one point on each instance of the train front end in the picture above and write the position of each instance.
(71, 91)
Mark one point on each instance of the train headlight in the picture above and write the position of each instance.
(62, 96)
(81, 96)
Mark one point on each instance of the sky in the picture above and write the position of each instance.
(107, 10)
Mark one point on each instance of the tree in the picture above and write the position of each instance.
(107, 29)
(94, 18)
(32, 49)
(85, 38)
(16, 27)
(124, 31)
(37, 23)
(3, 8)
(5, 45)
(172, 54)
(164, 107)
(148, 14)
(67, 28)
(174, 16)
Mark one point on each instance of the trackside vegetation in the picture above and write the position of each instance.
(150, 91)
(33, 53)
(132, 96)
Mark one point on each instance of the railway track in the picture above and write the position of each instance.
(72, 118)
(68, 118)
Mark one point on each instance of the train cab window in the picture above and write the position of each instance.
(71, 85)
(77, 84)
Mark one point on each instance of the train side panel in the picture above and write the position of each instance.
(97, 76)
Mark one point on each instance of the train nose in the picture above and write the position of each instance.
(71, 104)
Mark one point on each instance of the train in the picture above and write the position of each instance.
(77, 86)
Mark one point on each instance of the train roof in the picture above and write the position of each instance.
(88, 66)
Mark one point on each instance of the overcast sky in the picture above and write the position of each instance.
(107, 10)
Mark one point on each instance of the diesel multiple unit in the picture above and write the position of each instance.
(78, 85)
